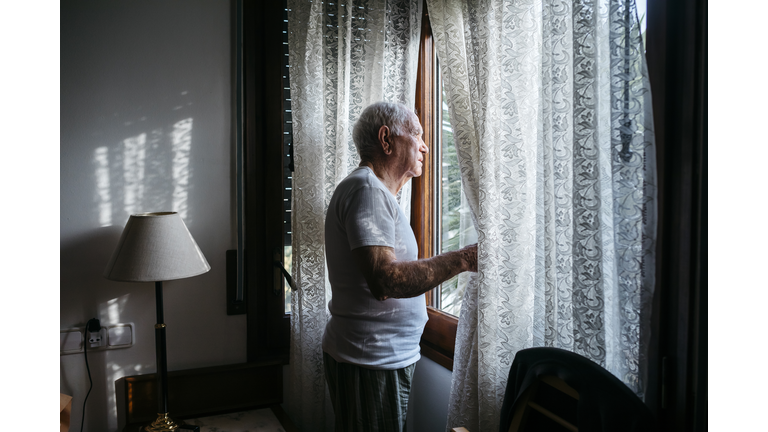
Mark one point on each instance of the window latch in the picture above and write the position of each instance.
(278, 264)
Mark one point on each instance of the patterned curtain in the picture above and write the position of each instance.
(343, 57)
(551, 109)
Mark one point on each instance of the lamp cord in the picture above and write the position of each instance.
(85, 354)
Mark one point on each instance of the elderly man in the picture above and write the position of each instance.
(378, 310)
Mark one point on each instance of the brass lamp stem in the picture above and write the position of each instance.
(163, 423)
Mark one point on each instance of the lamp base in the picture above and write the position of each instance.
(163, 423)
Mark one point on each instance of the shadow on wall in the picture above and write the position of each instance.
(80, 260)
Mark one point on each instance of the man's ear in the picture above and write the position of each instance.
(385, 139)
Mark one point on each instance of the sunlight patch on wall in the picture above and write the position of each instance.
(181, 139)
(103, 196)
(146, 172)
(110, 311)
(134, 154)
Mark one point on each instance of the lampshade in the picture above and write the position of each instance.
(155, 247)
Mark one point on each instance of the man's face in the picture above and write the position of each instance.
(409, 149)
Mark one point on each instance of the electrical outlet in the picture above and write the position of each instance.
(97, 339)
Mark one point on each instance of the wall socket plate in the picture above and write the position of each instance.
(112, 336)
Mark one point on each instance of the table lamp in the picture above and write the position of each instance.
(157, 247)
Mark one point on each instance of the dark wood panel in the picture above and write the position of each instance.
(439, 339)
(203, 391)
(436, 355)
(441, 329)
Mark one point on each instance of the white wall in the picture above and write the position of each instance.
(146, 125)
(428, 405)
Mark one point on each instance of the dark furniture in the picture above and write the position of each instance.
(203, 392)
(550, 389)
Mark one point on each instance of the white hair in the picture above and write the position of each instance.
(365, 134)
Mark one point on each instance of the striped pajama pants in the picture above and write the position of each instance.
(367, 400)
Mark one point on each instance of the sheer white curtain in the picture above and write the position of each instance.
(550, 105)
(343, 56)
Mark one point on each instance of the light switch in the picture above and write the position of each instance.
(71, 340)
(120, 335)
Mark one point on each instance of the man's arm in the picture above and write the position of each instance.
(389, 278)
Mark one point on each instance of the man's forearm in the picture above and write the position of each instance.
(405, 279)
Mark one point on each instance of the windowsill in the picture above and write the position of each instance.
(439, 338)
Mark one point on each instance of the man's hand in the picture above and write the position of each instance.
(470, 257)
(387, 277)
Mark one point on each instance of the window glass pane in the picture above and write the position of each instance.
(456, 228)
(288, 260)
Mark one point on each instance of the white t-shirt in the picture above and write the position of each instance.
(364, 331)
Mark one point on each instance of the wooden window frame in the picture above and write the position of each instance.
(439, 337)
(268, 327)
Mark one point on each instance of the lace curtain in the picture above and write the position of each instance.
(550, 105)
(343, 57)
